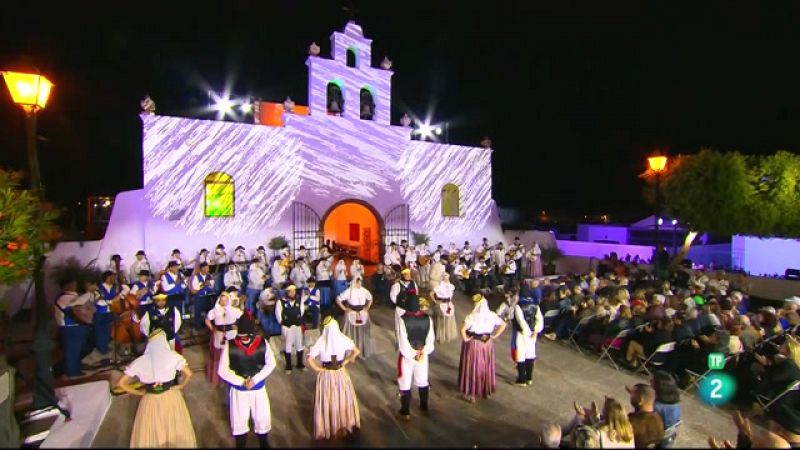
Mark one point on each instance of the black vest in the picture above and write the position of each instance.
(405, 292)
(165, 322)
(528, 313)
(243, 365)
(291, 314)
(417, 328)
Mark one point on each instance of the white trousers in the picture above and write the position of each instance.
(247, 404)
(292, 338)
(408, 369)
(526, 347)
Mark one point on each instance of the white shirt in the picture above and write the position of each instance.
(411, 255)
(220, 257)
(356, 271)
(231, 377)
(467, 253)
(402, 250)
(324, 270)
(240, 259)
(436, 256)
(300, 275)
(511, 267)
(255, 277)
(278, 273)
(422, 250)
(69, 299)
(279, 307)
(138, 266)
(499, 257)
(391, 258)
(458, 270)
(196, 284)
(341, 272)
(165, 284)
(520, 318)
(232, 278)
(356, 296)
(224, 316)
(405, 347)
(202, 258)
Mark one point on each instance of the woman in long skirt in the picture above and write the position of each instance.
(335, 403)
(356, 301)
(534, 261)
(162, 419)
(339, 279)
(221, 322)
(444, 311)
(476, 368)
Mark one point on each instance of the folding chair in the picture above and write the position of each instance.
(576, 330)
(616, 345)
(765, 402)
(698, 377)
(657, 359)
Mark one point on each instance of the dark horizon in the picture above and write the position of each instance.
(573, 98)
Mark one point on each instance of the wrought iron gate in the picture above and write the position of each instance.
(307, 231)
(395, 225)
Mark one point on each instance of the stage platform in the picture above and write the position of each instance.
(88, 404)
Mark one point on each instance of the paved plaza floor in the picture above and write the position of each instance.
(507, 420)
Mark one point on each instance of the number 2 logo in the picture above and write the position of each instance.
(716, 387)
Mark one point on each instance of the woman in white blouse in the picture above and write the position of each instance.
(356, 301)
(221, 322)
(444, 311)
(476, 370)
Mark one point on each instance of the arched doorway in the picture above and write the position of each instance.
(355, 227)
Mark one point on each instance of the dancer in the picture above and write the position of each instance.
(476, 368)
(221, 322)
(527, 323)
(415, 339)
(162, 419)
(400, 291)
(356, 301)
(444, 311)
(289, 312)
(245, 363)
(335, 403)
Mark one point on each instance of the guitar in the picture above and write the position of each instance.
(84, 314)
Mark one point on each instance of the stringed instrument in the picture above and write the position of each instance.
(124, 329)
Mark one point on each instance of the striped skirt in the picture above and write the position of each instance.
(163, 421)
(361, 335)
(476, 368)
(335, 405)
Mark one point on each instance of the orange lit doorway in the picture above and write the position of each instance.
(355, 229)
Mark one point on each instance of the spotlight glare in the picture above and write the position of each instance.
(224, 105)
(674, 222)
(246, 107)
(425, 130)
(660, 221)
(438, 131)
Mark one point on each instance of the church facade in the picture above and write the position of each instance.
(337, 170)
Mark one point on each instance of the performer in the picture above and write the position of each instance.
(527, 323)
(392, 256)
(143, 289)
(509, 272)
(160, 315)
(312, 313)
(356, 301)
(497, 259)
(340, 278)
(261, 256)
(172, 284)
(335, 403)
(267, 302)
(221, 323)
(444, 311)
(72, 330)
(141, 263)
(467, 252)
(162, 419)
(415, 339)
(256, 277)
(424, 268)
(245, 364)
(401, 290)
(356, 270)
(103, 317)
(241, 261)
(402, 251)
(114, 261)
(300, 273)
(480, 275)
(289, 312)
(534, 256)
(437, 269)
(236, 300)
(286, 252)
(476, 367)
(202, 288)
(411, 257)
(233, 277)
(518, 256)
(217, 266)
(324, 280)
(461, 275)
(302, 252)
(202, 257)
(280, 273)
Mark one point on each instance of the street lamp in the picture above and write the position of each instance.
(30, 91)
(657, 164)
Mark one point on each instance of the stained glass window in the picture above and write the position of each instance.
(451, 206)
(219, 195)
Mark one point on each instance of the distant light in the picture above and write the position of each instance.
(246, 107)
(438, 131)
(106, 203)
(657, 163)
(224, 105)
(425, 130)
(660, 221)
(674, 222)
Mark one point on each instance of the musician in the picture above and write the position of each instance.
(160, 315)
(340, 278)
(110, 291)
(324, 280)
(279, 272)
(303, 253)
(480, 275)
(241, 261)
(261, 256)
(424, 259)
(392, 257)
(400, 292)
(216, 266)
(451, 250)
(437, 270)
(461, 272)
(178, 258)
(498, 261)
(202, 287)
(467, 252)
(324, 252)
(415, 342)
(245, 364)
(300, 273)
(289, 312)
(411, 257)
(267, 301)
(143, 289)
(356, 270)
(114, 261)
(518, 252)
(72, 331)
(509, 272)
(356, 301)
(485, 247)
(312, 313)
(173, 286)
(141, 263)
(380, 284)
(402, 251)
(439, 252)
(285, 252)
(255, 284)
(233, 277)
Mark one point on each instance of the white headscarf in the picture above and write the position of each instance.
(158, 364)
(482, 320)
(331, 343)
(445, 288)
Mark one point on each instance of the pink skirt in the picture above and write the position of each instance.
(476, 368)
(213, 362)
(335, 405)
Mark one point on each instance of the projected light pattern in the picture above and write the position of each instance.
(180, 153)
(427, 167)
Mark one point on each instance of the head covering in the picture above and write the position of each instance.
(160, 296)
(332, 343)
(768, 309)
(405, 271)
(140, 252)
(481, 320)
(423, 304)
(794, 299)
(159, 362)
(173, 264)
(412, 304)
(291, 287)
(144, 273)
(245, 325)
(239, 248)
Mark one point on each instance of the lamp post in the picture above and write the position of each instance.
(658, 165)
(30, 91)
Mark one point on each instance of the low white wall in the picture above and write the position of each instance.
(765, 256)
(592, 233)
(599, 249)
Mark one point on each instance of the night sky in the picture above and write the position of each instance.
(573, 95)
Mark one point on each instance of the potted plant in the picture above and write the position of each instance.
(420, 238)
(549, 257)
(276, 244)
